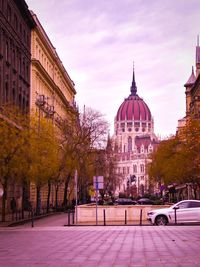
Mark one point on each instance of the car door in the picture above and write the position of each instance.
(184, 213)
(194, 207)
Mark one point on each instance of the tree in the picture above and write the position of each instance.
(108, 170)
(12, 139)
(81, 137)
(43, 155)
(177, 160)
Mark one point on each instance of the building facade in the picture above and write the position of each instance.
(134, 142)
(52, 92)
(16, 23)
(192, 93)
(15, 53)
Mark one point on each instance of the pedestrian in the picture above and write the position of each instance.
(13, 206)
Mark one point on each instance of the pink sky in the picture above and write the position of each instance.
(98, 41)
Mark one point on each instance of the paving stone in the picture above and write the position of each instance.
(117, 246)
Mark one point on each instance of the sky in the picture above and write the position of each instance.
(98, 41)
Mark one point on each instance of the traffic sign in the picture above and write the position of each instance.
(98, 182)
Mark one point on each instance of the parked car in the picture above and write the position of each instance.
(125, 201)
(143, 201)
(187, 211)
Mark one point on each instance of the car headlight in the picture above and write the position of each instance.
(150, 213)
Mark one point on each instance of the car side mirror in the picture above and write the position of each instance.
(176, 208)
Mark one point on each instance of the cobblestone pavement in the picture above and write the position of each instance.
(117, 246)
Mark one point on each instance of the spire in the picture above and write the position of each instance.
(191, 80)
(197, 51)
(133, 86)
(197, 57)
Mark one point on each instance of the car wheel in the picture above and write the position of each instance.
(161, 220)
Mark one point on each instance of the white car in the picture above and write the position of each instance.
(186, 211)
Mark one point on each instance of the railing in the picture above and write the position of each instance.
(23, 215)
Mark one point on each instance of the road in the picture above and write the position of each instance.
(51, 244)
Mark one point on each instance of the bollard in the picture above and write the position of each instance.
(175, 217)
(125, 217)
(68, 212)
(140, 217)
(104, 217)
(73, 217)
(32, 218)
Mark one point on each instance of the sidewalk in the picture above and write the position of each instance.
(117, 246)
(10, 223)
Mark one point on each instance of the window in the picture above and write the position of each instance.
(14, 58)
(20, 100)
(183, 205)
(27, 74)
(23, 69)
(13, 95)
(124, 170)
(6, 51)
(127, 170)
(15, 22)
(134, 168)
(8, 13)
(142, 168)
(194, 204)
(6, 92)
(19, 64)
(129, 144)
(24, 104)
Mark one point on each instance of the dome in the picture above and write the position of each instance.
(133, 108)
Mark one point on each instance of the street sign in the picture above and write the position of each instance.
(98, 182)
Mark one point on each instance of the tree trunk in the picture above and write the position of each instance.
(56, 198)
(48, 196)
(38, 201)
(65, 200)
(23, 199)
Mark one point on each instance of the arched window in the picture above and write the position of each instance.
(129, 144)
(134, 168)
(142, 168)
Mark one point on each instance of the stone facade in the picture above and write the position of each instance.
(50, 82)
(52, 93)
(16, 23)
(15, 56)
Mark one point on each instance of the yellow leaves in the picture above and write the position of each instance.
(177, 159)
(43, 151)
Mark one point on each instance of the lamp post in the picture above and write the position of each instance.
(43, 105)
(76, 194)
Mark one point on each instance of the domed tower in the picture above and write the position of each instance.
(134, 141)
